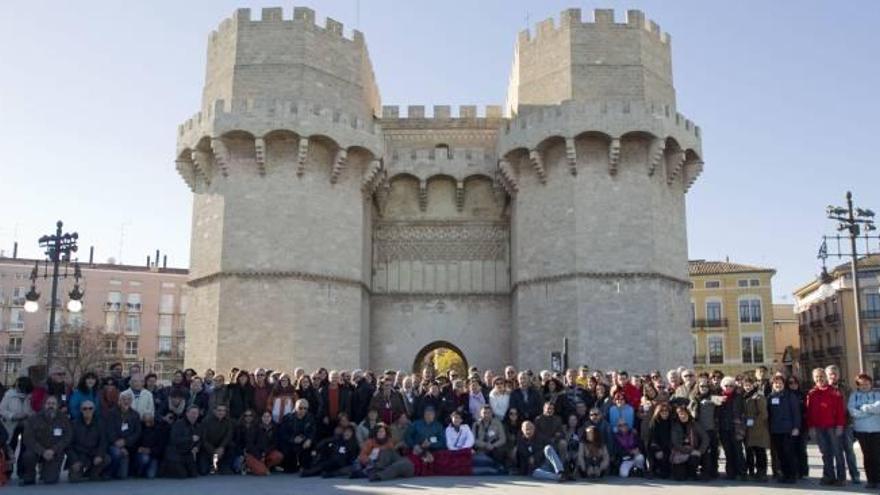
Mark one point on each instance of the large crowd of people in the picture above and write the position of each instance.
(580, 424)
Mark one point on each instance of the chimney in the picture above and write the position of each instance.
(157, 258)
(91, 255)
(15, 250)
(148, 261)
(164, 261)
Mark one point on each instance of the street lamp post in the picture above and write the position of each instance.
(58, 248)
(853, 220)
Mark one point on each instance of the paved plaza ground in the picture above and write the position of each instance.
(281, 484)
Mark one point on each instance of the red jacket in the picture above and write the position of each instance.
(633, 395)
(825, 408)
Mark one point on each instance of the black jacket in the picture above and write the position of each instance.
(528, 408)
(241, 398)
(125, 425)
(155, 438)
(180, 442)
(89, 441)
(293, 426)
(324, 406)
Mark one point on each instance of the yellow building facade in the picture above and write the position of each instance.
(731, 316)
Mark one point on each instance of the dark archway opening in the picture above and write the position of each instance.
(441, 356)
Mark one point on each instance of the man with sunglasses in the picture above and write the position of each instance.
(87, 455)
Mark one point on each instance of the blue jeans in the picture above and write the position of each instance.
(118, 462)
(147, 466)
(846, 445)
(552, 468)
(832, 454)
(484, 464)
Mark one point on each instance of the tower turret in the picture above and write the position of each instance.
(598, 161)
(278, 161)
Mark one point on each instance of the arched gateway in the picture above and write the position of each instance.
(442, 356)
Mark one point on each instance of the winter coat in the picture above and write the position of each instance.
(390, 408)
(686, 437)
(42, 432)
(14, 408)
(784, 411)
(87, 442)
(123, 425)
(529, 407)
(419, 431)
(155, 438)
(491, 433)
(548, 429)
(180, 441)
(864, 408)
(216, 433)
(756, 420)
(241, 398)
(825, 408)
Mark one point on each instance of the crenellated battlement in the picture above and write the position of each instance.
(443, 112)
(602, 19)
(301, 17)
(613, 118)
(262, 116)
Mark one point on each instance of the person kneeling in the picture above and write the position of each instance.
(593, 459)
(689, 444)
(87, 455)
(632, 461)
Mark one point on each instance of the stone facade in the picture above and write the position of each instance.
(329, 230)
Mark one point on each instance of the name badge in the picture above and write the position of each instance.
(341, 450)
(124, 426)
(750, 422)
(63, 397)
(530, 449)
(57, 432)
(433, 439)
(387, 405)
(774, 401)
(491, 433)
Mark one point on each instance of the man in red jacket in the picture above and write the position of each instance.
(826, 418)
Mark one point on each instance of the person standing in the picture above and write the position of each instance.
(846, 437)
(784, 410)
(757, 430)
(826, 419)
(731, 429)
(864, 409)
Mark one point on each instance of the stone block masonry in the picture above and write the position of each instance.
(330, 230)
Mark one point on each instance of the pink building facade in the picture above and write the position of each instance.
(141, 309)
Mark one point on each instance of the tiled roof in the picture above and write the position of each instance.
(871, 261)
(703, 267)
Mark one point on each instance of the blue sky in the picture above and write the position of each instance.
(91, 94)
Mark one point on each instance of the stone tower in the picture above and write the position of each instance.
(598, 161)
(331, 231)
(277, 161)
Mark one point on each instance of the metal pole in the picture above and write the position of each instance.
(56, 258)
(853, 267)
(564, 354)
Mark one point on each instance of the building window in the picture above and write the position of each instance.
(874, 335)
(16, 319)
(111, 347)
(872, 305)
(713, 311)
(750, 310)
(114, 301)
(712, 284)
(133, 323)
(75, 320)
(753, 349)
(164, 346)
(131, 347)
(742, 283)
(111, 321)
(166, 304)
(12, 367)
(72, 347)
(165, 322)
(133, 304)
(57, 320)
(716, 350)
(18, 296)
(14, 346)
(755, 282)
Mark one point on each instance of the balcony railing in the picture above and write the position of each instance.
(871, 314)
(699, 359)
(805, 356)
(832, 318)
(835, 350)
(818, 354)
(171, 347)
(873, 347)
(816, 323)
(709, 323)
